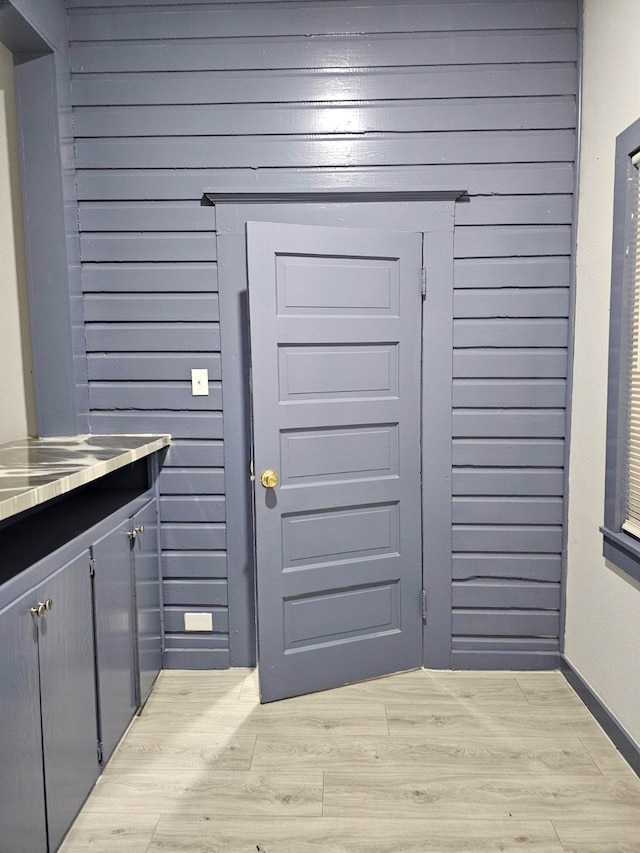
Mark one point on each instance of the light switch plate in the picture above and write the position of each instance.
(198, 621)
(199, 382)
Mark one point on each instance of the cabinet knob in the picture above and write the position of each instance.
(42, 607)
(133, 534)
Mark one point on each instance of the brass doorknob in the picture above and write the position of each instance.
(269, 479)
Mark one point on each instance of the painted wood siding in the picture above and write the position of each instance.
(151, 311)
(171, 100)
(511, 306)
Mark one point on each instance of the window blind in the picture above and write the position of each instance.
(632, 520)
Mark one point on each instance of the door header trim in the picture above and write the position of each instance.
(329, 196)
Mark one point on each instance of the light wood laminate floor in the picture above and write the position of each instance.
(411, 763)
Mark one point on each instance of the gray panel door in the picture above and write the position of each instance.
(115, 636)
(22, 811)
(335, 355)
(147, 597)
(67, 689)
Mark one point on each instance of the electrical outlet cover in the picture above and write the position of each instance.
(198, 621)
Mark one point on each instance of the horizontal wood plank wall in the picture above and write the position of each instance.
(511, 304)
(171, 100)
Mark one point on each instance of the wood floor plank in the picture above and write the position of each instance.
(235, 674)
(477, 797)
(221, 793)
(250, 690)
(296, 716)
(183, 752)
(548, 689)
(120, 833)
(420, 686)
(535, 677)
(454, 674)
(353, 835)
(605, 755)
(605, 837)
(454, 720)
(436, 682)
(468, 755)
(194, 692)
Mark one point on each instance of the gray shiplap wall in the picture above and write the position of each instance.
(171, 99)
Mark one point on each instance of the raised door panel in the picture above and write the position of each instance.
(67, 687)
(115, 636)
(22, 809)
(147, 597)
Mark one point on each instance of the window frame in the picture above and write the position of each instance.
(619, 547)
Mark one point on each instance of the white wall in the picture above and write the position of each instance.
(602, 638)
(17, 406)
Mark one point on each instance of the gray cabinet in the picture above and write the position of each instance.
(22, 811)
(115, 636)
(47, 724)
(67, 694)
(97, 647)
(126, 587)
(146, 568)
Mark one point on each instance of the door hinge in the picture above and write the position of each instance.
(100, 753)
(423, 282)
(423, 604)
(92, 568)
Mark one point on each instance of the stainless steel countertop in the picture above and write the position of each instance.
(34, 470)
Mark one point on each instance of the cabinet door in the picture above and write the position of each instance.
(115, 636)
(22, 811)
(67, 691)
(147, 586)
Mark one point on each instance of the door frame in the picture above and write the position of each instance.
(429, 213)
